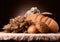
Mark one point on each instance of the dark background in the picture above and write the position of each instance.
(12, 8)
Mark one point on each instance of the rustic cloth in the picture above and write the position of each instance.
(30, 37)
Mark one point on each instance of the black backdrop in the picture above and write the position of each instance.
(12, 8)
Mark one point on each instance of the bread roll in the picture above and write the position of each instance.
(32, 29)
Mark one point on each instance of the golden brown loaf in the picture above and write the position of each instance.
(38, 18)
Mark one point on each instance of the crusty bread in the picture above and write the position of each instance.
(32, 29)
(38, 18)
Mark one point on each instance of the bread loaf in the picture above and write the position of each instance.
(51, 23)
